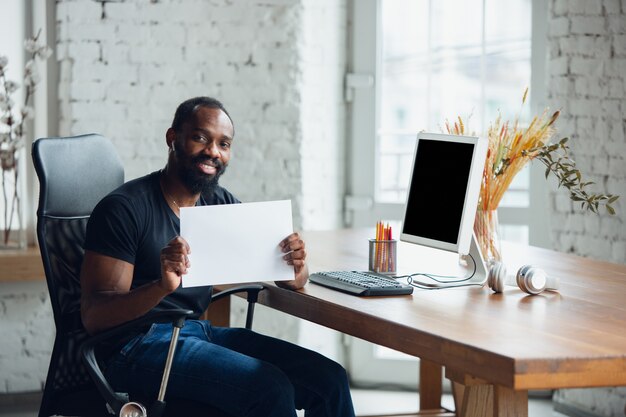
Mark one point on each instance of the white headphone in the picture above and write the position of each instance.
(529, 279)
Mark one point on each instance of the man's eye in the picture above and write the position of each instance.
(225, 145)
(198, 138)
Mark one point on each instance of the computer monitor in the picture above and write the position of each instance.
(443, 193)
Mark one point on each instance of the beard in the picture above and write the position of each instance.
(199, 182)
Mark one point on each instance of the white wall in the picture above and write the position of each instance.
(27, 332)
(587, 80)
(126, 66)
(278, 67)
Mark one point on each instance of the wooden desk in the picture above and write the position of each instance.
(495, 347)
(21, 265)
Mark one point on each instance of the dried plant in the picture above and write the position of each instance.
(556, 159)
(512, 146)
(13, 128)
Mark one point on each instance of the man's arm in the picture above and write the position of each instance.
(106, 297)
(295, 254)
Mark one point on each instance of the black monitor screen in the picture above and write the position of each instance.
(437, 192)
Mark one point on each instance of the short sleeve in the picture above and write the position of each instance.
(113, 229)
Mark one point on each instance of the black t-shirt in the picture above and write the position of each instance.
(134, 222)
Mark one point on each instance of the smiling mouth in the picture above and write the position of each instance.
(207, 168)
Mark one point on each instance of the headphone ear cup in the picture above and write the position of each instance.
(531, 280)
(521, 275)
(495, 278)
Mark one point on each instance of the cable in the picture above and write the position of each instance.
(450, 281)
(425, 286)
(438, 279)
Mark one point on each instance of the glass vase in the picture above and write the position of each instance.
(12, 221)
(486, 229)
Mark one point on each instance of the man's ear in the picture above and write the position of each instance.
(170, 138)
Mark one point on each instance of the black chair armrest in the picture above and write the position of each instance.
(252, 297)
(164, 316)
(87, 350)
(252, 290)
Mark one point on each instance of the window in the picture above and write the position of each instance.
(436, 59)
(12, 47)
(21, 22)
(432, 61)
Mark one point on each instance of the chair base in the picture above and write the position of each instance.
(89, 403)
(84, 403)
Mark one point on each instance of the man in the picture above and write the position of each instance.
(135, 261)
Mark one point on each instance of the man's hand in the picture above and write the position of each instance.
(295, 254)
(174, 263)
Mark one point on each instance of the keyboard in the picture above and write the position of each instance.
(360, 283)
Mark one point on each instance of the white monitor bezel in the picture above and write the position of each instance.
(464, 238)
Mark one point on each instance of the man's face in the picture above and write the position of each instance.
(202, 148)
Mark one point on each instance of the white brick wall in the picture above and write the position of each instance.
(125, 66)
(587, 79)
(27, 331)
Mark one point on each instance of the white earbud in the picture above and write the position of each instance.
(529, 279)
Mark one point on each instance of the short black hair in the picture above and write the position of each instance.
(187, 108)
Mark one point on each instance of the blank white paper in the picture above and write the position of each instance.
(236, 243)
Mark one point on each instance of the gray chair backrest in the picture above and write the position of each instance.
(74, 173)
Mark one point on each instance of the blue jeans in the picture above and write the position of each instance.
(237, 370)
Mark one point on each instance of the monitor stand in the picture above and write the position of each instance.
(480, 277)
(464, 268)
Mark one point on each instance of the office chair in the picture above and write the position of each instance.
(74, 174)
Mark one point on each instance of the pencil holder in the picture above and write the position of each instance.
(382, 256)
